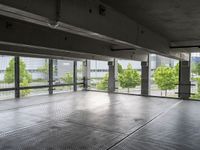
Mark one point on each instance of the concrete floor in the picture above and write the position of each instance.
(94, 120)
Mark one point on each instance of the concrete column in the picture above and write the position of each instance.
(116, 71)
(75, 75)
(50, 76)
(145, 78)
(86, 74)
(17, 77)
(111, 77)
(184, 79)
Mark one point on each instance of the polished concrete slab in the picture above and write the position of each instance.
(94, 120)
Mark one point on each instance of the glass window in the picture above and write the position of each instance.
(98, 75)
(129, 77)
(164, 76)
(62, 74)
(7, 76)
(33, 72)
(7, 71)
(80, 75)
(195, 76)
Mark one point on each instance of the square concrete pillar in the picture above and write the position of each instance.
(75, 76)
(111, 77)
(184, 80)
(145, 78)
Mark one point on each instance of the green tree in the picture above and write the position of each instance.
(24, 83)
(120, 69)
(10, 71)
(166, 78)
(67, 78)
(195, 67)
(129, 78)
(25, 76)
(176, 68)
(103, 84)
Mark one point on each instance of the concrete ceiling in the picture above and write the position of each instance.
(126, 29)
(177, 20)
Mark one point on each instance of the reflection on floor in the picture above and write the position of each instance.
(94, 120)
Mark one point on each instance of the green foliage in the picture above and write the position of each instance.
(103, 84)
(129, 78)
(120, 69)
(166, 77)
(198, 68)
(195, 68)
(197, 95)
(25, 76)
(10, 72)
(67, 78)
(80, 69)
(24, 83)
(44, 69)
(176, 68)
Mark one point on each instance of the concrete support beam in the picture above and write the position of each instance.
(184, 80)
(26, 38)
(145, 78)
(111, 77)
(86, 74)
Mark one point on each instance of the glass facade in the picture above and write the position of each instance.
(7, 71)
(79, 75)
(33, 72)
(7, 76)
(62, 74)
(195, 76)
(129, 76)
(98, 75)
(34, 76)
(164, 76)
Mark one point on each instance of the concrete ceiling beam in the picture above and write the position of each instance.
(53, 42)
